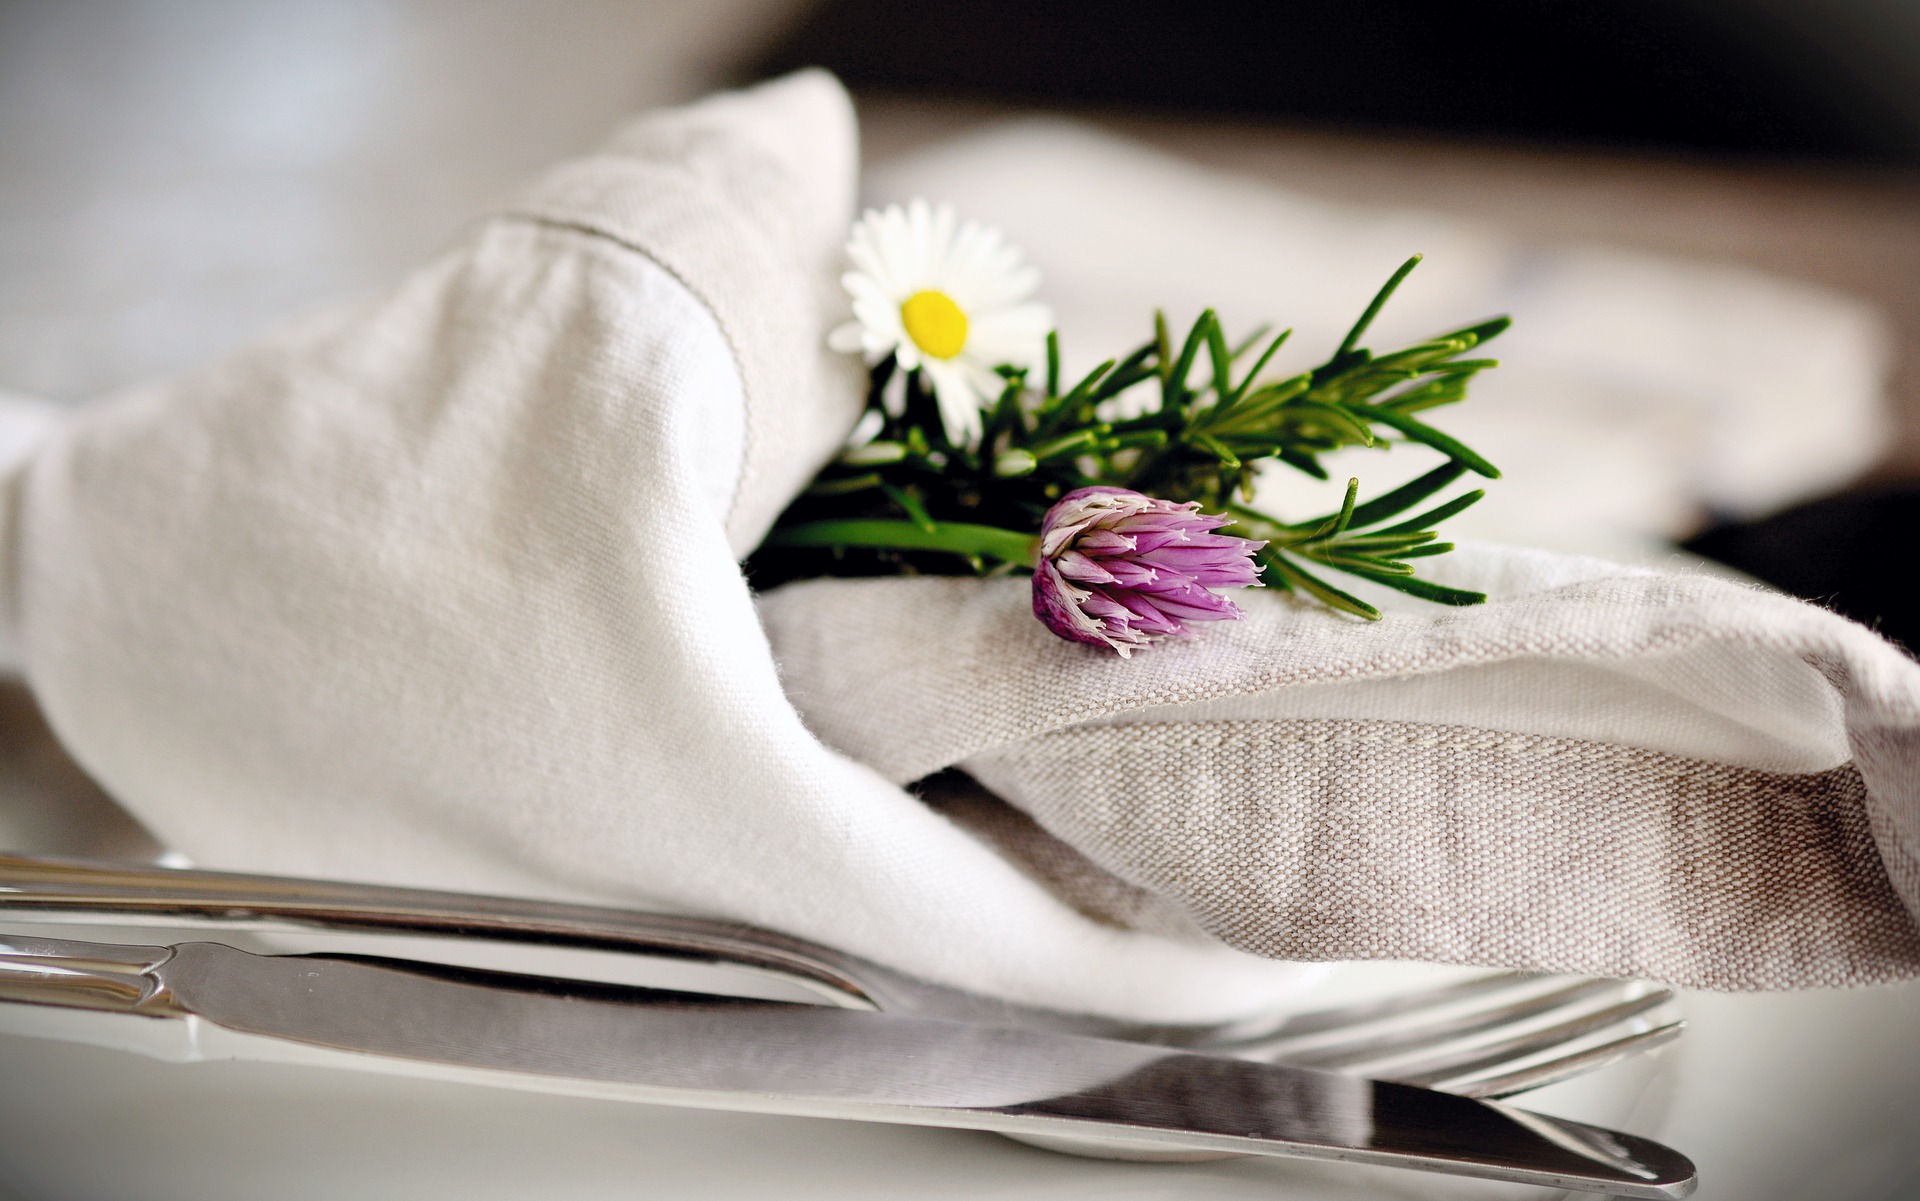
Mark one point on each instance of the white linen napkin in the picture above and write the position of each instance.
(441, 589)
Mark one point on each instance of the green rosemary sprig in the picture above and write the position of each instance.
(908, 500)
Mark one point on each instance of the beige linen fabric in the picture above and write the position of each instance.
(1604, 770)
(441, 589)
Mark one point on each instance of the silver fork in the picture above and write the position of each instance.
(1489, 1036)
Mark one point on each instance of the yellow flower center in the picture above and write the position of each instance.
(935, 323)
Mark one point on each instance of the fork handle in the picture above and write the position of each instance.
(69, 890)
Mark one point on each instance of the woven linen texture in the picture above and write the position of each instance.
(1380, 840)
(1604, 770)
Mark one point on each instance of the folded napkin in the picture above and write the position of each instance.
(1604, 770)
(441, 589)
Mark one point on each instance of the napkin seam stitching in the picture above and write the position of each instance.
(1518, 745)
(735, 351)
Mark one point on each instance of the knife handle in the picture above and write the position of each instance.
(84, 975)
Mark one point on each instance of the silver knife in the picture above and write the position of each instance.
(208, 1000)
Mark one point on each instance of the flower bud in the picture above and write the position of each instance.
(1120, 569)
(1014, 463)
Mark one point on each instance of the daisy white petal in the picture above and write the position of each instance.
(959, 401)
(879, 315)
(893, 395)
(848, 338)
(866, 429)
(862, 286)
(863, 251)
(947, 299)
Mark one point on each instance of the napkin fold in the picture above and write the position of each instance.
(442, 589)
(1604, 770)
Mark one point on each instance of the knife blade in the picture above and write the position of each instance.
(703, 1051)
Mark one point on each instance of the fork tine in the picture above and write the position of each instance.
(1553, 1071)
(1437, 1037)
(1308, 1027)
(1487, 1056)
(1362, 1047)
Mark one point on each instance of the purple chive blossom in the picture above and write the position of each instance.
(1120, 569)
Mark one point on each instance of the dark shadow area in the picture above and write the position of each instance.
(1837, 80)
(1851, 553)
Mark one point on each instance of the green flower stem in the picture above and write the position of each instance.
(956, 537)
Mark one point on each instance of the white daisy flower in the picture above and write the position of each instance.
(952, 302)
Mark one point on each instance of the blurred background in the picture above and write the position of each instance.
(1705, 215)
